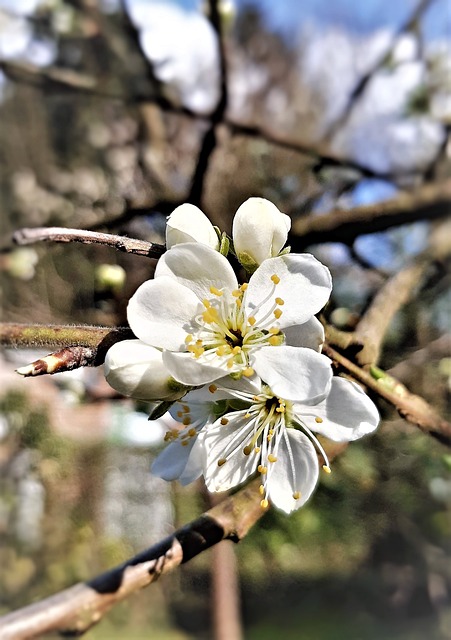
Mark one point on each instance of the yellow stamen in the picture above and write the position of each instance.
(264, 503)
(248, 372)
(236, 293)
(186, 421)
(236, 350)
(257, 449)
(192, 433)
(274, 341)
(280, 301)
(188, 338)
(212, 388)
(274, 330)
(180, 414)
(185, 443)
(247, 450)
(275, 279)
(261, 489)
(326, 468)
(277, 313)
(251, 320)
(272, 458)
(318, 420)
(206, 303)
(224, 421)
(221, 461)
(244, 286)
(261, 469)
(230, 363)
(296, 495)
(215, 291)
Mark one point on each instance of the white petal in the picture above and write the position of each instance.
(259, 230)
(194, 466)
(305, 286)
(197, 267)
(136, 369)
(294, 372)
(171, 463)
(296, 470)
(160, 313)
(347, 412)
(187, 223)
(218, 442)
(310, 334)
(189, 370)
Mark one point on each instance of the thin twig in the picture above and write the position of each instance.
(410, 406)
(61, 234)
(75, 610)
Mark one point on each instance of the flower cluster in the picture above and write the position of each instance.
(240, 363)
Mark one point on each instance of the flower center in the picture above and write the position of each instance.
(226, 333)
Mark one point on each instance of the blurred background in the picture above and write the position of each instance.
(111, 114)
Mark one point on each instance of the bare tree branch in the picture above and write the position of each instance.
(75, 610)
(61, 234)
(425, 203)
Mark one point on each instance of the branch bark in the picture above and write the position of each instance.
(61, 234)
(425, 203)
(75, 610)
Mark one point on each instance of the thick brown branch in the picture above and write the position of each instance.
(410, 406)
(425, 203)
(60, 234)
(78, 608)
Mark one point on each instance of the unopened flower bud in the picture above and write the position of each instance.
(259, 232)
(187, 223)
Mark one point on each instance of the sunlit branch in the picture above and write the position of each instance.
(60, 234)
(345, 225)
(75, 610)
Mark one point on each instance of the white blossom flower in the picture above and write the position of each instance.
(187, 223)
(259, 232)
(136, 369)
(209, 326)
(273, 437)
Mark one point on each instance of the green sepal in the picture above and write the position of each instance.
(224, 245)
(160, 409)
(284, 252)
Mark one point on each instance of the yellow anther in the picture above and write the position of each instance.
(296, 495)
(185, 408)
(247, 450)
(272, 458)
(280, 301)
(326, 468)
(248, 372)
(264, 503)
(221, 461)
(206, 303)
(275, 279)
(274, 330)
(274, 341)
(251, 320)
(280, 409)
(186, 421)
(247, 415)
(188, 338)
(184, 443)
(261, 469)
(222, 350)
(261, 489)
(224, 421)
(192, 433)
(212, 388)
(180, 414)
(318, 420)
(277, 313)
(244, 286)
(215, 291)
(236, 293)
(238, 303)
(230, 363)
(236, 350)
(257, 449)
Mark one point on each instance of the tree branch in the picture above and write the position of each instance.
(425, 203)
(61, 234)
(75, 610)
